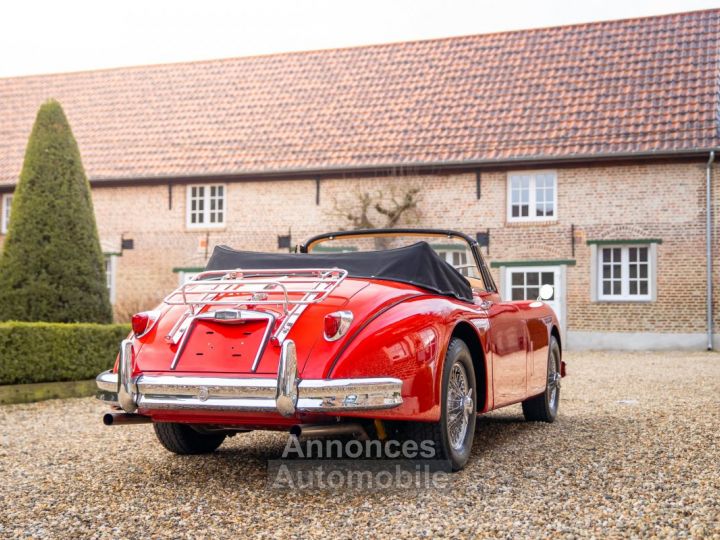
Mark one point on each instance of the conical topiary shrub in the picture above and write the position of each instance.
(51, 267)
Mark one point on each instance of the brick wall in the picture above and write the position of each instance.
(665, 201)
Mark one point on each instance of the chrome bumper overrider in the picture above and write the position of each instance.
(285, 394)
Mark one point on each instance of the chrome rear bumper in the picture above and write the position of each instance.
(285, 394)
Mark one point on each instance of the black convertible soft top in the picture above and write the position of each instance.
(416, 264)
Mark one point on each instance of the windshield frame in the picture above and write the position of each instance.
(487, 278)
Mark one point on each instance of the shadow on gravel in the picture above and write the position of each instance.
(506, 444)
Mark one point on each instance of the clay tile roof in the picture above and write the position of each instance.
(631, 86)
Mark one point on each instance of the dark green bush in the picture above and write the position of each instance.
(48, 352)
(51, 267)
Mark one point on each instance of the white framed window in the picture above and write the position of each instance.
(525, 282)
(457, 258)
(110, 264)
(625, 272)
(522, 283)
(5, 212)
(532, 196)
(206, 206)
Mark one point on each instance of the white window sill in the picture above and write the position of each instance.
(519, 221)
(624, 300)
(206, 227)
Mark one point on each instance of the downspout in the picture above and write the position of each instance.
(708, 248)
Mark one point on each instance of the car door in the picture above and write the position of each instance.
(523, 283)
(509, 346)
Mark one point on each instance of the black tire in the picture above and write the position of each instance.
(544, 407)
(183, 439)
(438, 432)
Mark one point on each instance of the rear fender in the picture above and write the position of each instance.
(408, 342)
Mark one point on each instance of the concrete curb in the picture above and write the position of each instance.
(29, 393)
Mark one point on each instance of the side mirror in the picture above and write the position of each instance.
(546, 292)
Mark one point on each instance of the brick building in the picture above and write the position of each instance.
(583, 151)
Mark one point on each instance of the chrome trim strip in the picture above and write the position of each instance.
(179, 328)
(229, 316)
(289, 321)
(265, 339)
(188, 328)
(125, 383)
(287, 383)
(349, 394)
(164, 385)
(107, 381)
(169, 392)
(179, 403)
(320, 386)
(294, 314)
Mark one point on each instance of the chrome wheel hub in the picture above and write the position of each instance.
(467, 403)
(460, 406)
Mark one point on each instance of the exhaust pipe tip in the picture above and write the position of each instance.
(119, 419)
(329, 430)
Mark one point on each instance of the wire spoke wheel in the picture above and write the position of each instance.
(459, 406)
(451, 436)
(544, 407)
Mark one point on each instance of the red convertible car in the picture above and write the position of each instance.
(376, 333)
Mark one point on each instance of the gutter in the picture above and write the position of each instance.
(708, 248)
(386, 169)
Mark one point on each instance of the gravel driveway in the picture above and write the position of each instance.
(635, 452)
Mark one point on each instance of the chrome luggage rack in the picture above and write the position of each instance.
(258, 287)
(245, 288)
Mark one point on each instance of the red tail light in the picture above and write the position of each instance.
(143, 322)
(332, 325)
(337, 324)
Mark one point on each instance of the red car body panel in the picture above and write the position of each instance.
(398, 330)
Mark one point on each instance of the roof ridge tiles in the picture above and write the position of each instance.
(588, 89)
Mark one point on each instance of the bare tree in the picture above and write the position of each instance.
(378, 211)
(388, 210)
(357, 216)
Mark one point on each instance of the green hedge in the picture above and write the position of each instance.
(47, 352)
